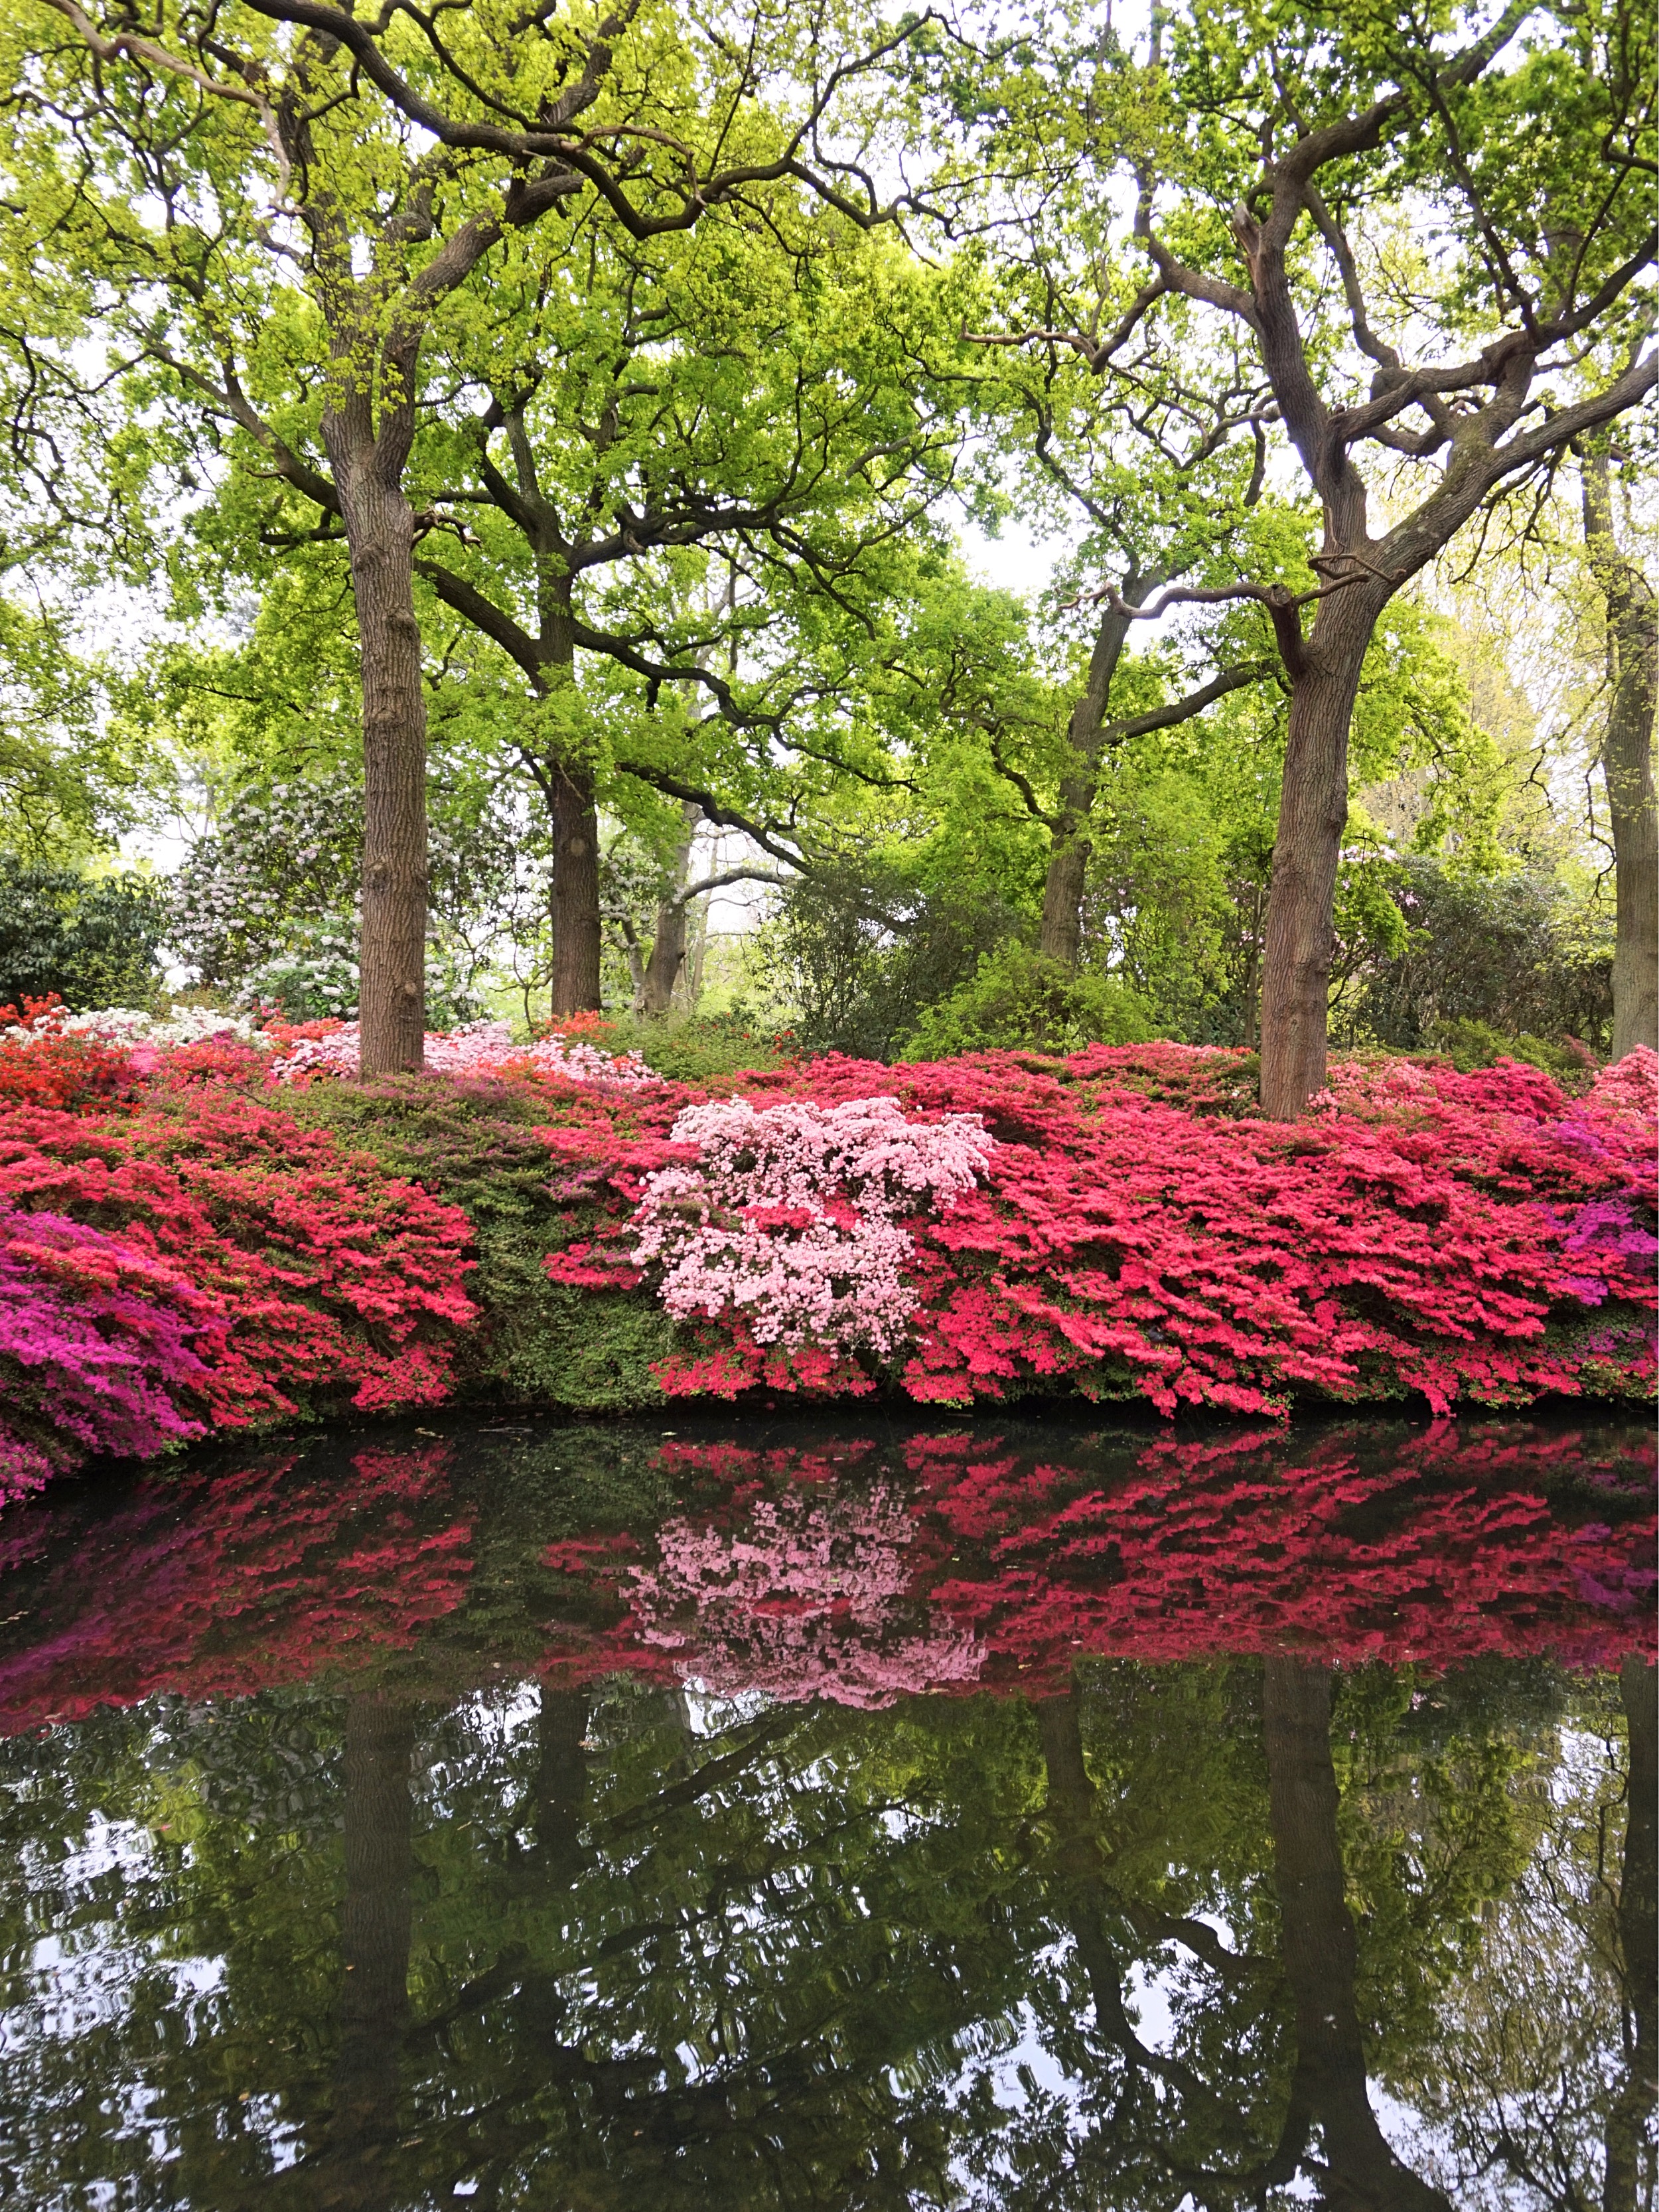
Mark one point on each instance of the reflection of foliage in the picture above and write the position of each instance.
(805, 1598)
(1534, 2097)
(251, 1578)
(1379, 1543)
(741, 1953)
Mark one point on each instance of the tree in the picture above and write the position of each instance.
(285, 189)
(1632, 677)
(265, 904)
(714, 486)
(1263, 148)
(77, 765)
(1164, 470)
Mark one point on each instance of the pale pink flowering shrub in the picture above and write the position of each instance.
(791, 1217)
(810, 1597)
(477, 1048)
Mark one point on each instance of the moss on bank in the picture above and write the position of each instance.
(473, 1142)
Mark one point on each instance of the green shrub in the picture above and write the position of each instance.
(1510, 955)
(473, 1142)
(90, 939)
(695, 1047)
(862, 956)
(1017, 1000)
(1470, 1045)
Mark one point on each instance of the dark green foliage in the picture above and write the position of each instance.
(1511, 953)
(862, 958)
(91, 939)
(1017, 1000)
(473, 1142)
(1469, 1045)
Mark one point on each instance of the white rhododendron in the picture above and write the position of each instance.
(477, 1048)
(792, 1215)
(131, 1025)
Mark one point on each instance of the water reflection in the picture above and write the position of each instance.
(592, 1819)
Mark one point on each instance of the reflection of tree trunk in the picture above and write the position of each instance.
(1362, 2172)
(1071, 1808)
(1638, 1935)
(561, 1784)
(374, 1940)
(1087, 1901)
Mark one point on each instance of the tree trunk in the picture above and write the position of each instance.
(1252, 986)
(1317, 1944)
(1313, 815)
(1632, 619)
(1061, 934)
(575, 890)
(392, 955)
(668, 945)
(375, 1924)
(1639, 1937)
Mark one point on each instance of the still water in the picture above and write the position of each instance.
(1041, 1815)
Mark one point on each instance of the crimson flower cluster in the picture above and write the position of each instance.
(209, 1264)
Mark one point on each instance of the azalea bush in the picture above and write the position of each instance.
(101, 1343)
(206, 1264)
(225, 1227)
(1475, 1236)
(791, 1216)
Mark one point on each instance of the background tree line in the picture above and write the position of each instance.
(502, 478)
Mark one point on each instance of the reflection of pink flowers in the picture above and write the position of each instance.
(791, 1216)
(810, 1597)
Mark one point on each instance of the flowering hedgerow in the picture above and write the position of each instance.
(232, 1265)
(44, 1062)
(1463, 1235)
(99, 1340)
(484, 1047)
(1116, 1225)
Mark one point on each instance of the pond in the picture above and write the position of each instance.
(1041, 1815)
